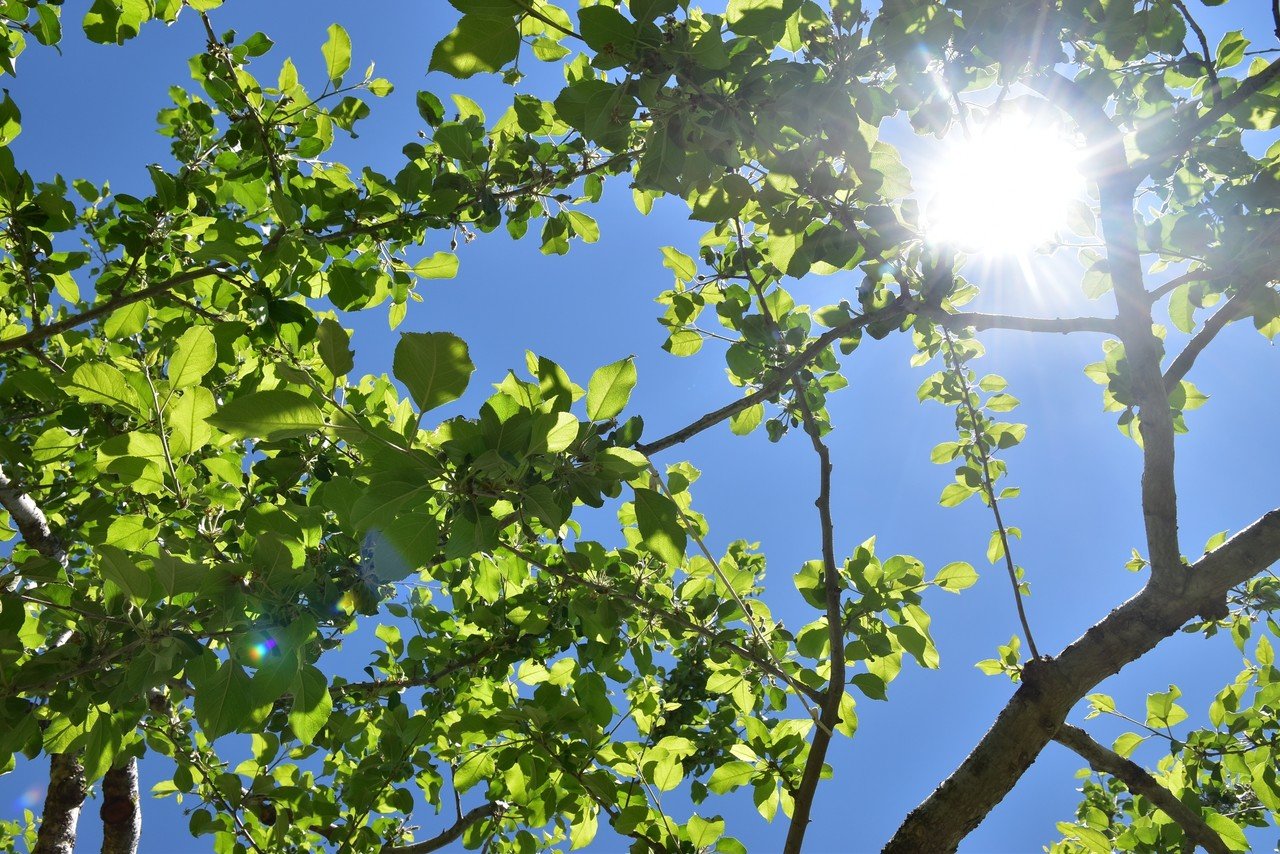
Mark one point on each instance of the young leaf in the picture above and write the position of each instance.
(610, 389)
(337, 53)
(335, 347)
(434, 366)
(660, 530)
(311, 704)
(194, 356)
(272, 414)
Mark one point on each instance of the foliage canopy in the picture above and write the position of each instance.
(208, 499)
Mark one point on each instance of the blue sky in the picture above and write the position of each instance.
(90, 113)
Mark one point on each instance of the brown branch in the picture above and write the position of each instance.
(1050, 687)
(1117, 184)
(1199, 275)
(1209, 70)
(220, 51)
(830, 717)
(67, 791)
(1231, 310)
(439, 841)
(121, 810)
(781, 377)
(1187, 134)
(41, 333)
(1137, 780)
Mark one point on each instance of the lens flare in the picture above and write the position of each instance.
(1005, 188)
(261, 650)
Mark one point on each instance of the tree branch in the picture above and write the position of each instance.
(781, 377)
(32, 524)
(830, 717)
(765, 665)
(1138, 781)
(1116, 186)
(439, 841)
(121, 810)
(41, 333)
(1050, 687)
(1232, 309)
(1187, 134)
(1061, 325)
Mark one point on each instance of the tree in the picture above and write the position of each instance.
(208, 500)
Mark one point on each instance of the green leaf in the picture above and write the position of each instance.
(441, 265)
(222, 700)
(337, 53)
(334, 346)
(660, 530)
(312, 704)
(1127, 743)
(478, 44)
(194, 356)
(101, 383)
(434, 366)
(730, 776)
(747, 420)
(955, 577)
(610, 389)
(1230, 832)
(272, 414)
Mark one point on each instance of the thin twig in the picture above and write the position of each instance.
(988, 486)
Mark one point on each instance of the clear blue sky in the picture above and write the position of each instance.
(90, 113)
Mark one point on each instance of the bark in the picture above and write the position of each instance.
(121, 810)
(1052, 686)
(435, 843)
(32, 524)
(1138, 781)
(62, 804)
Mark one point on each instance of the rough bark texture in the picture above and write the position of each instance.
(67, 791)
(1137, 780)
(121, 810)
(1052, 686)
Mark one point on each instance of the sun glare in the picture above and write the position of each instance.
(1003, 188)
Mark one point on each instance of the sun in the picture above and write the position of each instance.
(1005, 187)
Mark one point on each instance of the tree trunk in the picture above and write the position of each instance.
(67, 791)
(121, 810)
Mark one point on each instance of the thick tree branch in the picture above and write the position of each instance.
(1143, 350)
(32, 524)
(1060, 325)
(121, 810)
(439, 841)
(41, 333)
(1137, 780)
(1050, 687)
(1231, 310)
